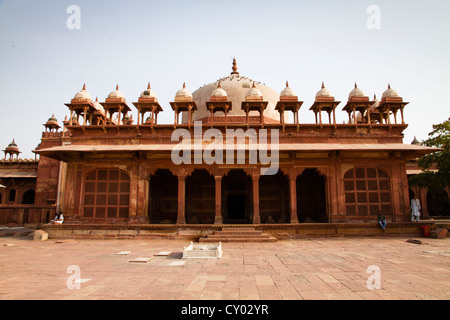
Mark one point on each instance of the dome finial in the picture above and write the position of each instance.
(356, 86)
(184, 84)
(323, 85)
(148, 86)
(84, 86)
(117, 87)
(254, 85)
(234, 67)
(287, 84)
(389, 85)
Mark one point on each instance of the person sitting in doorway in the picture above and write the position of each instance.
(59, 218)
(382, 221)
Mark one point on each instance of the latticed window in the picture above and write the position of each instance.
(367, 192)
(106, 194)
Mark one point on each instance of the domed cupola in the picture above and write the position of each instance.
(390, 93)
(356, 93)
(219, 93)
(253, 94)
(323, 93)
(183, 94)
(324, 101)
(52, 124)
(288, 94)
(83, 94)
(12, 149)
(116, 94)
(391, 102)
(149, 93)
(148, 102)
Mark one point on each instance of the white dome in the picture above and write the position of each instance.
(287, 92)
(83, 94)
(98, 106)
(219, 92)
(253, 92)
(236, 87)
(148, 93)
(356, 93)
(183, 92)
(116, 93)
(323, 92)
(376, 102)
(390, 93)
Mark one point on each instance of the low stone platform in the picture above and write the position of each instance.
(238, 235)
(197, 231)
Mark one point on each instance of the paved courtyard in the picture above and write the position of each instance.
(326, 268)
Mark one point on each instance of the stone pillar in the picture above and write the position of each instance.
(218, 216)
(181, 218)
(256, 217)
(293, 197)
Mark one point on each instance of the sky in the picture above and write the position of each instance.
(48, 51)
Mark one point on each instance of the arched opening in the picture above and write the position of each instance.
(200, 197)
(163, 202)
(28, 197)
(107, 194)
(438, 204)
(12, 195)
(236, 197)
(367, 193)
(311, 198)
(274, 198)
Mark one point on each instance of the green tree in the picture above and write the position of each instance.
(435, 181)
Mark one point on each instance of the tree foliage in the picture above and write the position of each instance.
(435, 181)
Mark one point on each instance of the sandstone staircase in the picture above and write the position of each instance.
(238, 234)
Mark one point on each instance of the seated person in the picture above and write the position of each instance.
(59, 218)
(382, 220)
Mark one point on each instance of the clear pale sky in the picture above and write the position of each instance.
(43, 63)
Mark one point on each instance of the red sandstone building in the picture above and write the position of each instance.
(105, 168)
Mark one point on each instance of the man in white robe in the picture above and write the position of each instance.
(415, 209)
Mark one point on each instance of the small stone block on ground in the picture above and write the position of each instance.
(40, 235)
(163, 253)
(141, 260)
(123, 253)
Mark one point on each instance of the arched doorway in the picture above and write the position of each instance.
(28, 197)
(200, 197)
(236, 197)
(438, 204)
(311, 198)
(163, 197)
(274, 198)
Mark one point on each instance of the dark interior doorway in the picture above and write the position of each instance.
(438, 204)
(236, 206)
(311, 199)
(236, 197)
(163, 204)
(200, 197)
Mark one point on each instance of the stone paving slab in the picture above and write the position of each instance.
(309, 269)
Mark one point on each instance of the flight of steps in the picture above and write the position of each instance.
(238, 235)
